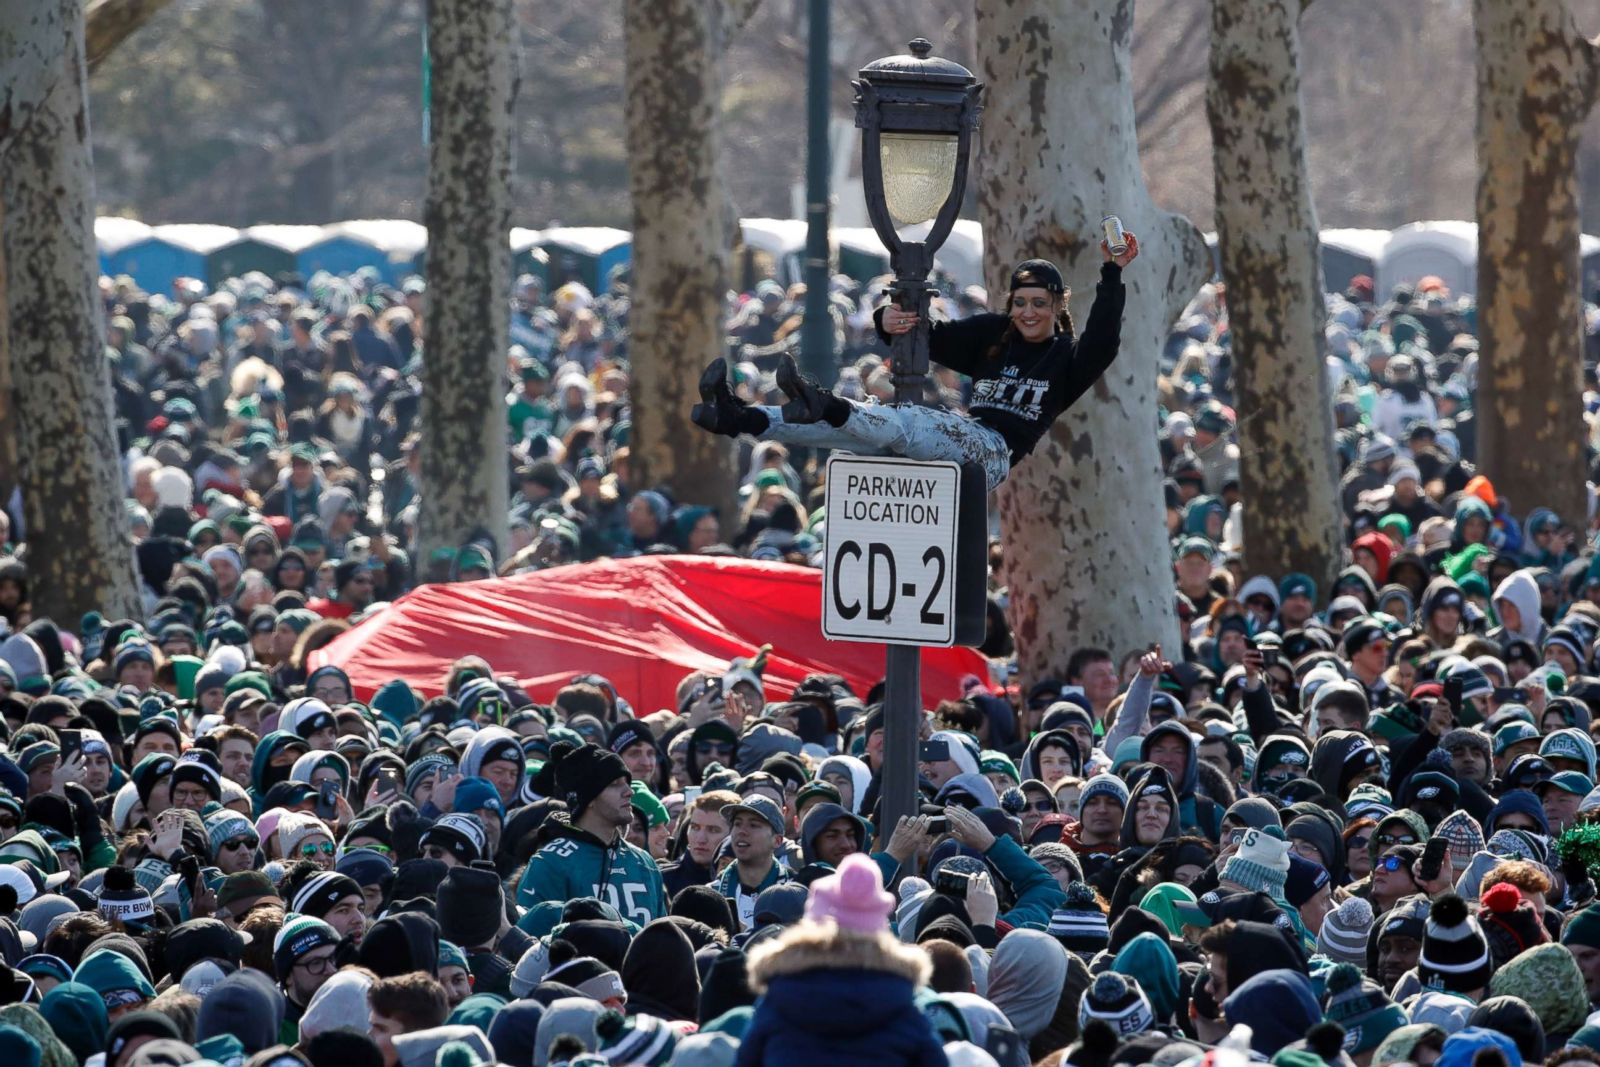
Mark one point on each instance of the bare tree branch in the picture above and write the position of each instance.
(110, 22)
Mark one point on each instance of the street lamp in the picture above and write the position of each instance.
(917, 114)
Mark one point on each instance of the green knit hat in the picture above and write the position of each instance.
(992, 762)
(655, 812)
(1360, 1005)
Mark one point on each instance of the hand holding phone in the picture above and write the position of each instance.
(327, 807)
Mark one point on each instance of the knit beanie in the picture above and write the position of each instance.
(530, 969)
(424, 766)
(305, 716)
(1463, 833)
(122, 898)
(1583, 928)
(1455, 953)
(1361, 1007)
(461, 834)
(1063, 855)
(1106, 785)
(1261, 865)
(1515, 1018)
(1079, 924)
(299, 935)
(586, 974)
(1510, 922)
(318, 894)
(294, 827)
(224, 825)
(148, 772)
(853, 897)
(1116, 1000)
(470, 906)
(583, 774)
(1344, 933)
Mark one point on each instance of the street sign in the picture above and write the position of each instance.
(889, 570)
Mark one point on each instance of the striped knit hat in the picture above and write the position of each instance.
(1343, 937)
(1079, 924)
(319, 893)
(1261, 865)
(300, 934)
(1455, 952)
(1118, 1001)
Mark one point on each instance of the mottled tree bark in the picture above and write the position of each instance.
(78, 548)
(1087, 559)
(110, 22)
(1267, 233)
(681, 240)
(465, 481)
(30, 62)
(1536, 85)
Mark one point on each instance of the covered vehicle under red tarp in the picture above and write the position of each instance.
(643, 623)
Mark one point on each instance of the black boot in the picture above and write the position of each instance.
(808, 401)
(720, 411)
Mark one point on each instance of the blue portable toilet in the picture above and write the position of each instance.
(390, 246)
(112, 235)
(585, 254)
(270, 249)
(178, 250)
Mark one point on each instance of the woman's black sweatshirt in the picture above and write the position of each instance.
(1020, 394)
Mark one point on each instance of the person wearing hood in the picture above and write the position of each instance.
(274, 760)
(1239, 949)
(829, 833)
(1151, 816)
(1440, 612)
(843, 954)
(1283, 758)
(659, 973)
(1517, 604)
(1148, 960)
(850, 776)
(1358, 581)
(1342, 760)
(710, 742)
(1051, 756)
(1259, 595)
(1175, 750)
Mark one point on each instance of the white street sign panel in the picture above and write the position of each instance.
(890, 546)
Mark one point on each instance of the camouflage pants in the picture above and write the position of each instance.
(903, 430)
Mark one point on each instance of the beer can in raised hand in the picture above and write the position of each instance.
(1116, 238)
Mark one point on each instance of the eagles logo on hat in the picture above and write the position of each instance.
(1294, 757)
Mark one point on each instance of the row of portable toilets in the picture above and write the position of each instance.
(154, 256)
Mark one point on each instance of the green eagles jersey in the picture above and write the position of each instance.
(578, 864)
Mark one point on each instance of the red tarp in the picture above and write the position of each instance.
(643, 623)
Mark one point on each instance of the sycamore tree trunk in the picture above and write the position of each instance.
(1087, 560)
(681, 241)
(1536, 85)
(78, 549)
(465, 480)
(1267, 233)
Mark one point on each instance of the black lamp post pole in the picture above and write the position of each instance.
(910, 94)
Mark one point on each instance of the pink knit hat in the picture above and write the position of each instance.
(853, 897)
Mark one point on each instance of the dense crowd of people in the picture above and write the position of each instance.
(1346, 827)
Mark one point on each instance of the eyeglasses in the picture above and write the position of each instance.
(1358, 842)
(1396, 839)
(326, 848)
(1042, 805)
(319, 965)
(331, 694)
(245, 842)
(1391, 863)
